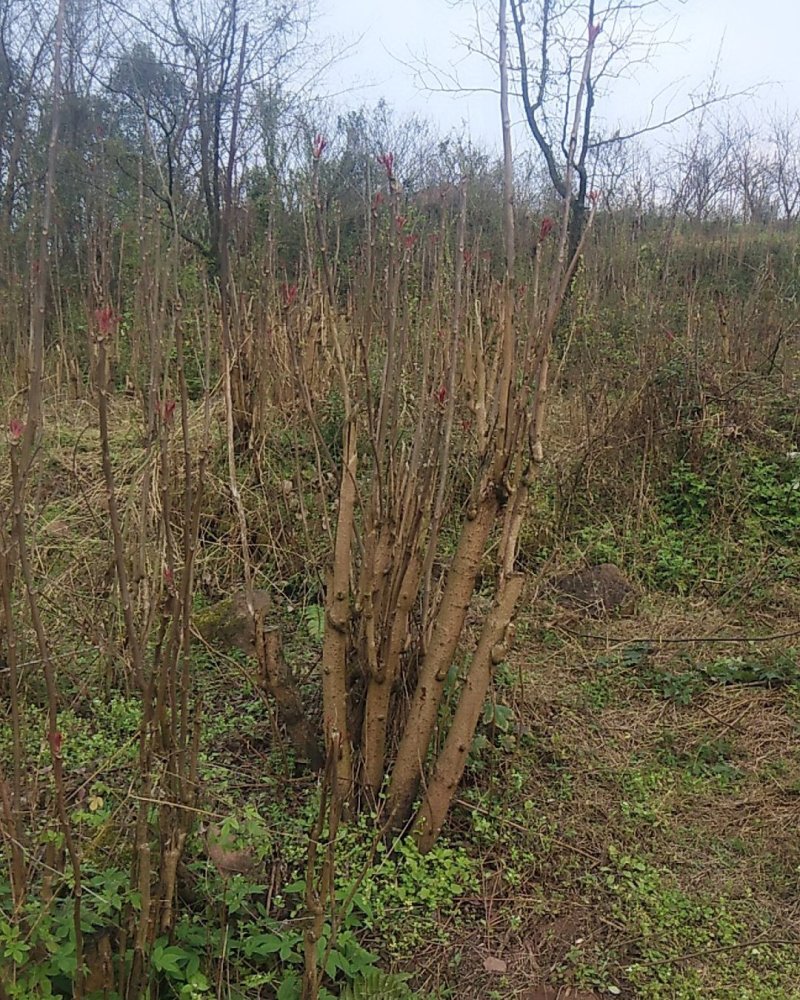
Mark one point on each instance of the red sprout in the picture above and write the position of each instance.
(318, 146)
(106, 320)
(289, 294)
(386, 160)
(168, 410)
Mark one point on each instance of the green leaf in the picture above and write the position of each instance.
(362, 903)
(503, 717)
(263, 944)
(315, 621)
(289, 988)
(287, 948)
(332, 966)
(198, 981)
(169, 959)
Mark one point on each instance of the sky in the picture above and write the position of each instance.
(757, 42)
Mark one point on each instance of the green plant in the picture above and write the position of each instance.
(41, 961)
(665, 920)
(380, 986)
(645, 795)
(314, 616)
(682, 686)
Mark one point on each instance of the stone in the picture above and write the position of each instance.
(227, 624)
(596, 591)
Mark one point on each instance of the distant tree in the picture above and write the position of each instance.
(551, 38)
(784, 140)
(698, 178)
(24, 50)
(547, 48)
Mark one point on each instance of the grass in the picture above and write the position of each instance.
(627, 826)
(641, 844)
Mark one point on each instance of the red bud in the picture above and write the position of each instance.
(289, 294)
(318, 146)
(386, 160)
(106, 320)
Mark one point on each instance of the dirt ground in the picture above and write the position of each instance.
(642, 833)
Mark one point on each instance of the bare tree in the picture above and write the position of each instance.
(698, 176)
(23, 48)
(551, 38)
(784, 139)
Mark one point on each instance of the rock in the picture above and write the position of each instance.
(228, 623)
(493, 964)
(224, 855)
(596, 591)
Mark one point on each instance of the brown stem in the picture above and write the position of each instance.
(379, 691)
(54, 735)
(337, 622)
(36, 369)
(15, 812)
(11, 833)
(453, 758)
(439, 657)
(134, 643)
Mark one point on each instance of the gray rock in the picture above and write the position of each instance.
(596, 591)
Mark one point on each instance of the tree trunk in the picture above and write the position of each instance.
(447, 630)
(337, 626)
(282, 686)
(453, 758)
(577, 225)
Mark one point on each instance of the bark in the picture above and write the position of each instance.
(439, 658)
(337, 626)
(379, 692)
(578, 218)
(282, 686)
(453, 758)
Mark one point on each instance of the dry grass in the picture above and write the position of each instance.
(604, 766)
(610, 769)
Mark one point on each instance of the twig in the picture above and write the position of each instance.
(722, 948)
(658, 640)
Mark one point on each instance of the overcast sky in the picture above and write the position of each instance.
(758, 39)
